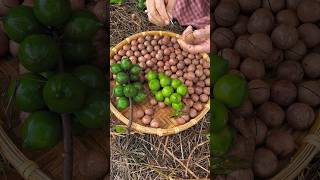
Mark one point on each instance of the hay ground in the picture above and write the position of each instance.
(185, 155)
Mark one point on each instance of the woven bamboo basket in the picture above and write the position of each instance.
(168, 124)
(46, 164)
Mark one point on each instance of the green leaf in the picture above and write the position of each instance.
(119, 129)
(142, 4)
(117, 1)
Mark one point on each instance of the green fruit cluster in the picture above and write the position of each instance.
(56, 47)
(128, 83)
(167, 90)
(229, 92)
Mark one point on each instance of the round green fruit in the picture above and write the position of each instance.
(138, 86)
(94, 114)
(91, 76)
(177, 106)
(135, 69)
(154, 85)
(167, 91)
(220, 67)
(39, 53)
(220, 116)
(122, 78)
(167, 101)
(165, 81)
(134, 78)
(151, 75)
(41, 130)
(82, 26)
(118, 91)
(221, 142)
(175, 83)
(182, 90)
(231, 90)
(78, 53)
(27, 92)
(20, 22)
(64, 93)
(130, 91)
(126, 63)
(175, 98)
(159, 96)
(140, 97)
(116, 68)
(122, 103)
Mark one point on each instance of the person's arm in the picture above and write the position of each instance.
(160, 11)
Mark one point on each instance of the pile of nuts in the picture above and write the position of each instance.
(275, 46)
(164, 54)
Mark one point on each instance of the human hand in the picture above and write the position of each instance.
(160, 11)
(197, 41)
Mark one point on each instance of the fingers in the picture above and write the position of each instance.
(153, 14)
(170, 7)
(201, 34)
(199, 48)
(187, 35)
(161, 8)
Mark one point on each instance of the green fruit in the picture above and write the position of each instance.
(177, 106)
(175, 98)
(52, 12)
(182, 90)
(151, 75)
(129, 90)
(91, 76)
(220, 67)
(140, 97)
(231, 90)
(78, 53)
(134, 78)
(77, 128)
(64, 93)
(39, 53)
(82, 26)
(118, 91)
(167, 91)
(27, 90)
(122, 78)
(165, 81)
(116, 68)
(135, 69)
(138, 86)
(126, 64)
(20, 22)
(154, 85)
(41, 130)
(221, 142)
(175, 83)
(220, 116)
(159, 96)
(122, 103)
(94, 114)
(167, 101)
(161, 75)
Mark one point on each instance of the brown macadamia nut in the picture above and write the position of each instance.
(155, 123)
(149, 112)
(252, 69)
(265, 163)
(248, 6)
(275, 58)
(271, 114)
(139, 114)
(241, 45)
(231, 56)
(193, 113)
(311, 65)
(283, 92)
(261, 21)
(223, 38)
(146, 119)
(309, 93)
(259, 91)
(290, 70)
(245, 110)
(260, 46)
(226, 13)
(288, 17)
(300, 116)
(240, 27)
(309, 34)
(274, 5)
(309, 11)
(281, 143)
(180, 121)
(259, 130)
(293, 4)
(285, 36)
(297, 52)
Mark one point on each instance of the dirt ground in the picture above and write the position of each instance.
(185, 155)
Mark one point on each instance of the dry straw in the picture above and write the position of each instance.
(163, 115)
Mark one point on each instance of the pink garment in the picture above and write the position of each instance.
(192, 12)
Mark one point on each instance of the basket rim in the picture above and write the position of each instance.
(149, 130)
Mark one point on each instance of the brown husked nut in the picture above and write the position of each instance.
(283, 92)
(285, 36)
(231, 56)
(180, 121)
(271, 114)
(149, 112)
(261, 21)
(311, 65)
(309, 93)
(155, 123)
(300, 116)
(138, 114)
(153, 101)
(281, 143)
(245, 110)
(146, 119)
(309, 34)
(290, 70)
(193, 113)
(265, 163)
(186, 117)
(259, 91)
(198, 106)
(223, 38)
(259, 130)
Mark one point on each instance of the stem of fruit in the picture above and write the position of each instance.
(67, 140)
(130, 116)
